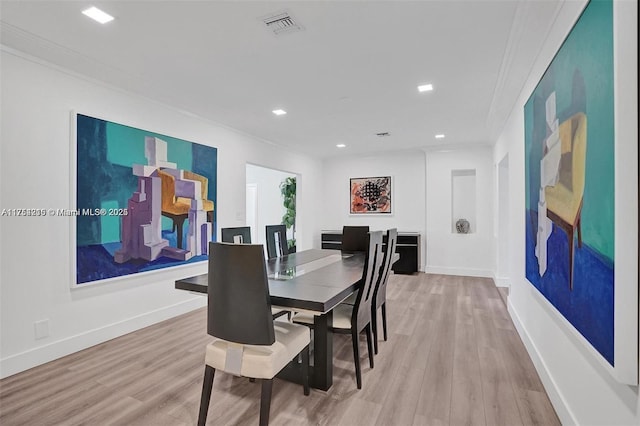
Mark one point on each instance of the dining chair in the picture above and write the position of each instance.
(207, 205)
(380, 290)
(355, 239)
(276, 241)
(354, 319)
(171, 207)
(245, 345)
(238, 235)
(242, 235)
(176, 207)
(564, 199)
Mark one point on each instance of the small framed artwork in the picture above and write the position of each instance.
(370, 195)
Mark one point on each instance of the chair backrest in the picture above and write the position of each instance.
(239, 235)
(204, 182)
(380, 292)
(355, 238)
(239, 308)
(168, 190)
(362, 309)
(579, 153)
(277, 241)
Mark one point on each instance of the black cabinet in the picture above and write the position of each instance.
(408, 247)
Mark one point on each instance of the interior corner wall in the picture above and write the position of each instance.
(581, 390)
(35, 267)
(448, 252)
(407, 193)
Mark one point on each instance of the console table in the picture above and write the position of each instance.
(408, 247)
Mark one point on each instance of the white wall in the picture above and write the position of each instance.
(407, 192)
(581, 389)
(414, 175)
(501, 223)
(270, 202)
(449, 252)
(35, 265)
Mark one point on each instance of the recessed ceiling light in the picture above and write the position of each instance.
(98, 15)
(425, 88)
(341, 145)
(279, 112)
(440, 136)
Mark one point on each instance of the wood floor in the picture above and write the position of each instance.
(453, 358)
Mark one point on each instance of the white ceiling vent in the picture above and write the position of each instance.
(281, 23)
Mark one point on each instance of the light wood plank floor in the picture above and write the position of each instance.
(453, 358)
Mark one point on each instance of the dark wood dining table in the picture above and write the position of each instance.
(314, 281)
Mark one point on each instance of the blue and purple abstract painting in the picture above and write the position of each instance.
(144, 201)
(569, 179)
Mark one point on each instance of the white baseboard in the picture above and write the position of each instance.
(502, 281)
(559, 403)
(465, 272)
(33, 357)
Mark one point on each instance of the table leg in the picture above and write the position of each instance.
(323, 351)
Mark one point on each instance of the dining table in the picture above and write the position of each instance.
(313, 281)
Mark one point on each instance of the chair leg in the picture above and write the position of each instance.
(305, 370)
(374, 327)
(265, 401)
(356, 357)
(384, 320)
(207, 385)
(369, 344)
(579, 232)
(180, 224)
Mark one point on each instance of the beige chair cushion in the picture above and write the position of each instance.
(262, 362)
(275, 311)
(341, 317)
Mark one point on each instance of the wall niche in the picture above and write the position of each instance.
(463, 201)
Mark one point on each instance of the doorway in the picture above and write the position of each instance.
(265, 203)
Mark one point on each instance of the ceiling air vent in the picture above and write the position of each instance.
(383, 134)
(282, 23)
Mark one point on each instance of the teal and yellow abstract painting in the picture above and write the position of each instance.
(144, 201)
(569, 179)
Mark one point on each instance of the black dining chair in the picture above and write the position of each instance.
(247, 342)
(355, 239)
(242, 235)
(238, 235)
(380, 290)
(354, 319)
(276, 241)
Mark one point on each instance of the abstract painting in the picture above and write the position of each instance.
(144, 201)
(370, 195)
(569, 180)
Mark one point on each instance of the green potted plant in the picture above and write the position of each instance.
(288, 191)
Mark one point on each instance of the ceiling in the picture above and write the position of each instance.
(352, 72)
